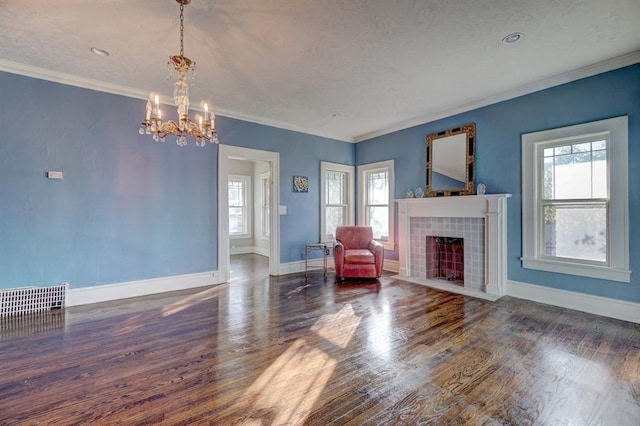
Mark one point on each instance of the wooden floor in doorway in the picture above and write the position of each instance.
(285, 350)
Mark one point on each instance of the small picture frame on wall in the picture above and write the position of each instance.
(300, 184)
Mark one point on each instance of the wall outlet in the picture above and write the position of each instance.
(54, 175)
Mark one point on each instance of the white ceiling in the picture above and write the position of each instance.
(347, 69)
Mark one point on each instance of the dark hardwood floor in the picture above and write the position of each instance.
(283, 350)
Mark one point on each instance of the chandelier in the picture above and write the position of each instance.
(204, 129)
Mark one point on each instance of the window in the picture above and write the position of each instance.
(574, 199)
(337, 198)
(376, 200)
(575, 214)
(239, 209)
(265, 214)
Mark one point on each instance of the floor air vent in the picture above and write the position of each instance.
(26, 300)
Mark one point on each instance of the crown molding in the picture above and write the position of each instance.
(100, 86)
(556, 80)
(70, 79)
(282, 125)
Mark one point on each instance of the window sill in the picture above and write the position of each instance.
(388, 245)
(240, 236)
(579, 269)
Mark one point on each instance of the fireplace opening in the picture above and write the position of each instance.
(445, 259)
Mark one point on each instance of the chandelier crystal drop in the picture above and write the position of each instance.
(204, 128)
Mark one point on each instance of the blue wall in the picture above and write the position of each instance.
(128, 208)
(498, 159)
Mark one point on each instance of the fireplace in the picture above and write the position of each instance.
(445, 259)
(478, 221)
(468, 231)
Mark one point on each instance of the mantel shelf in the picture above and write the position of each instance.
(457, 199)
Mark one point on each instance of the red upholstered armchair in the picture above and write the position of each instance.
(356, 254)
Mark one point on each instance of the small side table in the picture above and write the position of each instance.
(308, 247)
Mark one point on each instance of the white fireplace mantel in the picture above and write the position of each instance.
(491, 207)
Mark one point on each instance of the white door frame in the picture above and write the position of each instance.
(239, 153)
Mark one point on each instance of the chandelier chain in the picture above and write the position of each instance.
(181, 29)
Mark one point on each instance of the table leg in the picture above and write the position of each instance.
(325, 261)
(306, 257)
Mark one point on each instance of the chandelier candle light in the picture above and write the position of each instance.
(204, 129)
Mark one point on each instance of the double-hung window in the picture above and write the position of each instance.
(337, 198)
(575, 218)
(376, 182)
(239, 208)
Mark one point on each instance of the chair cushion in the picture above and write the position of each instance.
(359, 256)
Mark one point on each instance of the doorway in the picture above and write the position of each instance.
(227, 154)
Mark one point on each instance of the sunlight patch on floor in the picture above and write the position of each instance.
(131, 324)
(337, 328)
(291, 385)
(563, 370)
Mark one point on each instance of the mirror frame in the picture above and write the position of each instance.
(469, 188)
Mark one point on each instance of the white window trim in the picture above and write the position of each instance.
(248, 213)
(362, 171)
(618, 210)
(351, 203)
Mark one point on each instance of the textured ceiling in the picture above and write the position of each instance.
(346, 69)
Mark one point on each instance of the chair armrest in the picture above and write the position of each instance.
(338, 257)
(378, 253)
(375, 247)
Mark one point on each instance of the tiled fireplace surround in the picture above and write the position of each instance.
(481, 220)
(471, 229)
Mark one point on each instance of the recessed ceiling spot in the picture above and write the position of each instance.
(512, 38)
(99, 52)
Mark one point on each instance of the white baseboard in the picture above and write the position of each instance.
(241, 250)
(261, 251)
(249, 250)
(613, 308)
(295, 267)
(104, 293)
(391, 265)
(291, 267)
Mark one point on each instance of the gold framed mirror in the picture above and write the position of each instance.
(450, 162)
